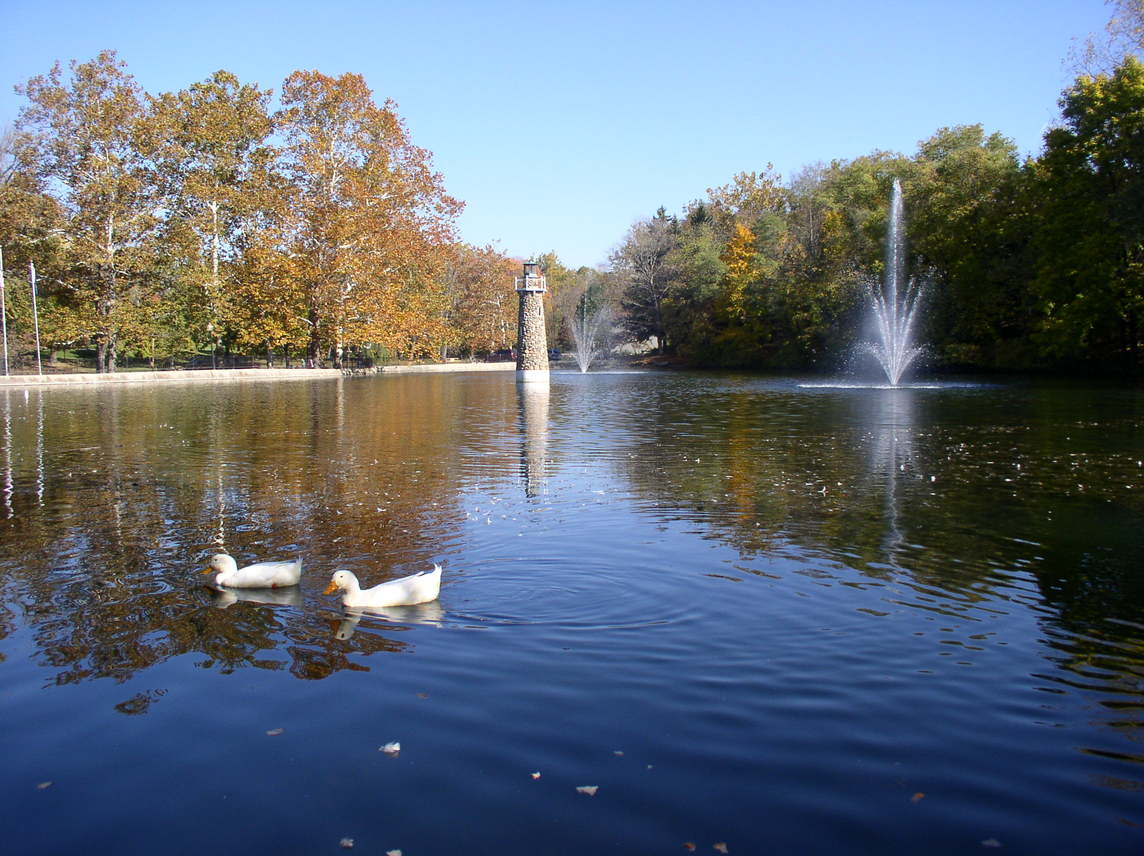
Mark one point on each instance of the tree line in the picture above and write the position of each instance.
(1026, 263)
(167, 225)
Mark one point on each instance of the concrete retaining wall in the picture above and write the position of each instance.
(449, 367)
(215, 375)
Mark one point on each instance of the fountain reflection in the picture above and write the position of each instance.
(893, 458)
(533, 400)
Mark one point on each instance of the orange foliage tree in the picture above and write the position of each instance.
(369, 220)
(80, 138)
(209, 146)
(482, 303)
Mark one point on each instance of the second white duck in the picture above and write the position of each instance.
(416, 588)
(262, 575)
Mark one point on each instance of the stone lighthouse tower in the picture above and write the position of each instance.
(531, 344)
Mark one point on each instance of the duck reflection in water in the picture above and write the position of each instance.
(421, 613)
(224, 597)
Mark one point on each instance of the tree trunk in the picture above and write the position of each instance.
(313, 346)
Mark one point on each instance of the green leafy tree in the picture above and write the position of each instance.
(969, 228)
(697, 268)
(1090, 275)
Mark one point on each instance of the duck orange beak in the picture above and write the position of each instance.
(331, 588)
(206, 571)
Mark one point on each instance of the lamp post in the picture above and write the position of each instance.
(3, 311)
(35, 315)
(531, 343)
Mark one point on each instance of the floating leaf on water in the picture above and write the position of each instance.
(422, 695)
(590, 790)
(392, 749)
(689, 846)
(619, 753)
(535, 775)
(392, 853)
(721, 846)
(918, 797)
(990, 842)
(274, 732)
(43, 786)
(346, 843)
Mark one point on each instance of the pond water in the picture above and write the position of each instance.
(753, 616)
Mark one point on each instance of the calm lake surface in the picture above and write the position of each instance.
(756, 616)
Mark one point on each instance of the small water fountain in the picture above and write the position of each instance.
(588, 324)
(895, 304)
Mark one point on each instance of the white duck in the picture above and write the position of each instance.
(261, 575)
(417, 588)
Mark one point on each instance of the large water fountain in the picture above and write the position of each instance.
(895, 304)
(588, 325)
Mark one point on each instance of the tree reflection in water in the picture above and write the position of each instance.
(102, 542)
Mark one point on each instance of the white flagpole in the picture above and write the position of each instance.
(3, 311)
(35, 315)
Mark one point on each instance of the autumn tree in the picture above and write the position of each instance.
(82, 141)
(262, 303)
(481, 300)
(209, 143)
(370, 219)
(746, 198)
(29, 221)
(29, 216)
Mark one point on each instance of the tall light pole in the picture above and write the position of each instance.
(35, 315)
(3, 311)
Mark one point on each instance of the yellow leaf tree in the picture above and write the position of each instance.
(82, 141)
(370, 220)
(482, 303)
(209, 146)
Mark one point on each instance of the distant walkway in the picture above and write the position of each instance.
(193, 375)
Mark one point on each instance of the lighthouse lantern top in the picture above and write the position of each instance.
(533, 279)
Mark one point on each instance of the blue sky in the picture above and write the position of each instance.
(559, 124)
